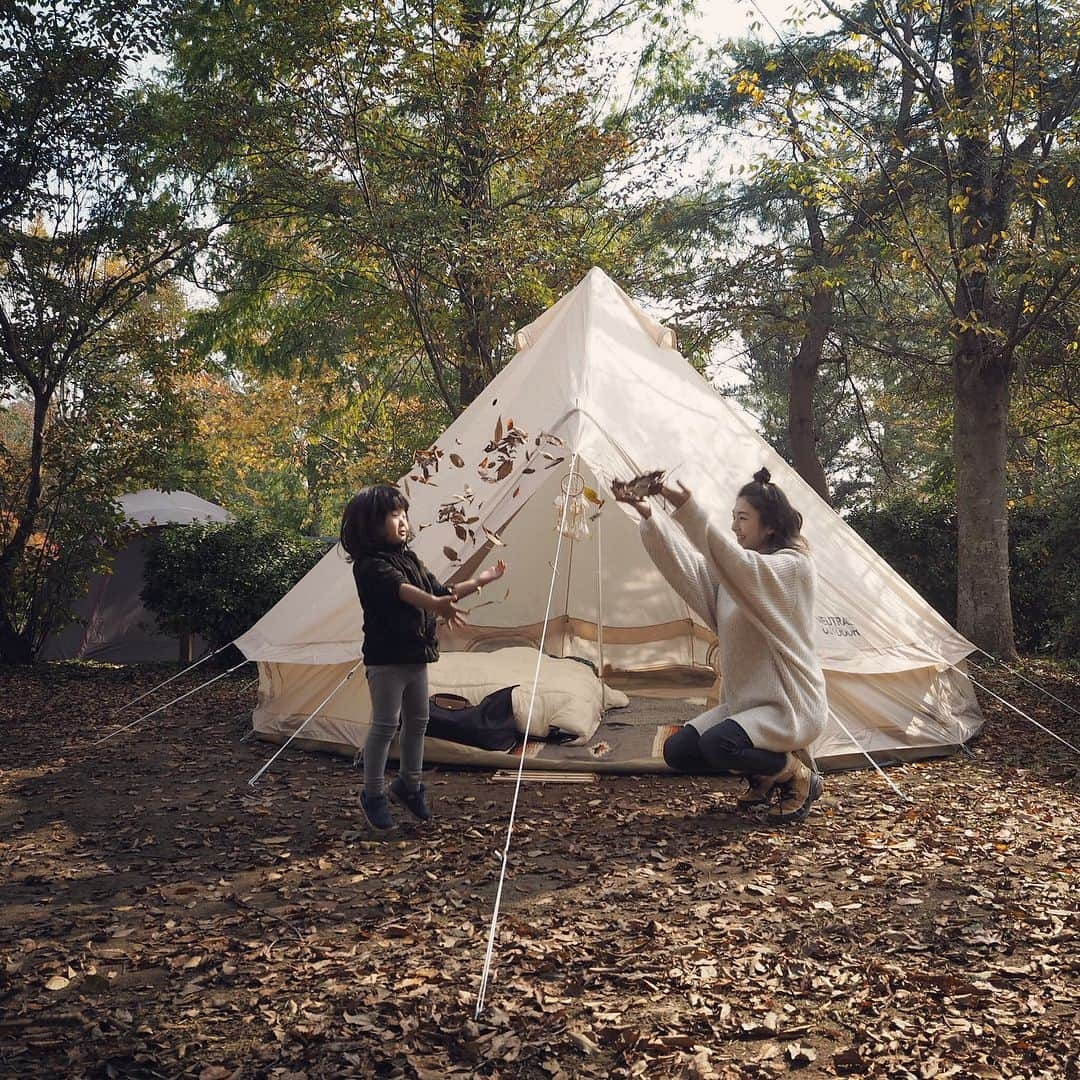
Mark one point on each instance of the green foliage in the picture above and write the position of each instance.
(418, 181)
(917, 537)
(95, 226)
(217, 580)
(1046, 572)
(856, 184)
(118, 426)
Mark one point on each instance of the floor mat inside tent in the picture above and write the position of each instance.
(629, 740)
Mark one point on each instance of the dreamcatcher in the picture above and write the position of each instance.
(574, 523)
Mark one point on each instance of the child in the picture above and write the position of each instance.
(401, 602)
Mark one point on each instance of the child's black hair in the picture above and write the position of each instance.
(363, 523)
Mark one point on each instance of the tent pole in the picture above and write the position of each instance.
(566, 599)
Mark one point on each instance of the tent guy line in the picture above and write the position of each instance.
(281, 750)
(172, 678)
(1030, 719)
(489, 951)
(161, 708)
(1023, 678)
(877, 768)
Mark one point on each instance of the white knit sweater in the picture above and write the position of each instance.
(762, 607)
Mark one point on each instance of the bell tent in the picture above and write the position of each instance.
(112, 623)
(597, 391)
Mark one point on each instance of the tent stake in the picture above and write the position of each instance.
(281, 750)
(489, 951)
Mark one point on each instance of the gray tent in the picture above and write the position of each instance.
(113, 624)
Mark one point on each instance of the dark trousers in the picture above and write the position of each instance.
(724, 748)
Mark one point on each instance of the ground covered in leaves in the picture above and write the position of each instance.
(159, 917)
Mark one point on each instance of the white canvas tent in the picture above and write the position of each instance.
(599, 385)
(113, 624)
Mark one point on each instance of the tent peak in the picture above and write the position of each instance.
(152, 506)
(595, 286)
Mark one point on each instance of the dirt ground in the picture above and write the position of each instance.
(160, 917)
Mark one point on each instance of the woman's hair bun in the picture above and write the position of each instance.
(762, 476)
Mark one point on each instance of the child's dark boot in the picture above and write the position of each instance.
(377, 811)
(414, 801)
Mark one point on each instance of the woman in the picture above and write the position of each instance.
(758, 592)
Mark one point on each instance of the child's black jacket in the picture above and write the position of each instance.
(395, 632)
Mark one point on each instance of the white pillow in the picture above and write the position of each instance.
(568, 695)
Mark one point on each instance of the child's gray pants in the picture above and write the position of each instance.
(397, 691)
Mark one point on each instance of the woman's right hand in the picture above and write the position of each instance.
(640, 505)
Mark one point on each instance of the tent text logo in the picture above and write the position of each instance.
(837, 626)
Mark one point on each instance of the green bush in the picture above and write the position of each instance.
(1045, 560)
(918, 539)
(217, 580)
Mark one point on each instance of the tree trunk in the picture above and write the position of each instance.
(15, 644)
(980, 428)
(802, 428)
(980, 373)
(477, 347)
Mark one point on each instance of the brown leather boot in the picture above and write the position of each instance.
(799, 788)
(758, 792)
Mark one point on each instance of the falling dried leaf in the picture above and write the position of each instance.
(493, 537)
(450, 553)
(458, 460)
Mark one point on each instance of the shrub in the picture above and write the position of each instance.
(918, 540)
(217, 580)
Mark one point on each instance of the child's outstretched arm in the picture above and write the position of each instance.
(485, 577)
(440, 606)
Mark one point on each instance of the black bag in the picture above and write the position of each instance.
(488, 726)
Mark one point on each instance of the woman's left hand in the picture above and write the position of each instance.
(676, 498)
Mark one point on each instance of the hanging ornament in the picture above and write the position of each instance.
(573, 522)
